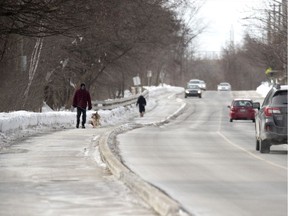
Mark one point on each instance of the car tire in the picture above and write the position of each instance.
(253, 120)
(185, 96)
(200, 96)
(264, 146)
(231, 120)
(257, 145)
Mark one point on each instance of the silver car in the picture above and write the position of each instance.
(224, 86)
(200, 83)
(271, 120)
(193, 90)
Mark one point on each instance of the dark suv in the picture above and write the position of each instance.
(271, 120)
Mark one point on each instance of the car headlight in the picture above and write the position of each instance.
(187, 91)
(199, 91)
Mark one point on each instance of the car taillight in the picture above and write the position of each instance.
(268, 128)
(271, 110)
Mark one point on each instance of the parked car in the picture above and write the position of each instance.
(200, 83)
(242, 109)
(271, 120)
(224, 86)
(193, 90)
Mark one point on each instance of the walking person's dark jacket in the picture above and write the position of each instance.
(142, 103)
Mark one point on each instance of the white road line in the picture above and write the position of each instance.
(250, 153)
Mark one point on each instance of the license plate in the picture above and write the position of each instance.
(242, 110)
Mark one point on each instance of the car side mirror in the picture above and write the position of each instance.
(229, 106)
(256, 105)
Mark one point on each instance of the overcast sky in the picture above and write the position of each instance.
(224, 18)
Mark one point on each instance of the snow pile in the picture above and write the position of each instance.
(17, 124)
(20, 120)
(264, 88)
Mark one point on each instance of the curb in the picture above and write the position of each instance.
(162, 203)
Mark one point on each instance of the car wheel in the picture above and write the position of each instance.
(231, 120)
(264, 146)
(185, 96)
(257, 145)
(253, 120)
(200, 96)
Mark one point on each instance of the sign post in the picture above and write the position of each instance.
(162, 75)
(149, 75)
(137, 83)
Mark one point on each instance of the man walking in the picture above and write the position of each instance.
(81, 100)
(142, 103)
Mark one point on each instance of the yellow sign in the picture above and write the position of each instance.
(268, 70)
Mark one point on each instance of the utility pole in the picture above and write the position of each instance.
(284, 26)
(23, 58)
(269, 30)
(232, 36)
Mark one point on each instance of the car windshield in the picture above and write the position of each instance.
(280, 98)
(194, 82)
(224, 84)
(189, 86)
(242, 103)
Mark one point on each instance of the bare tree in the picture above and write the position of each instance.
(239, 69)
(38, 18)
(272, 42)
(143, 25)
(109, 41)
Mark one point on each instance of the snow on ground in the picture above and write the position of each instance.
(264, 88)
(19, 124)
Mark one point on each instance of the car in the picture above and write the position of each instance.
(271, 119)
(193, 90)
(224, 86)
(242, 109)
(200, 83)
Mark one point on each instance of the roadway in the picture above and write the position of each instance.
(208, 164)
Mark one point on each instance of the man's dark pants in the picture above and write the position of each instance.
(79, 112)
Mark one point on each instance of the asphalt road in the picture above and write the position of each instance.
(208, 164)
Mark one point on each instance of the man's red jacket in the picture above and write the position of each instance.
(81, 99)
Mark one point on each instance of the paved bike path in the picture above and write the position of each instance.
(53, 174)
(56, 174)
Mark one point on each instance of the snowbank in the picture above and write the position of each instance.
(18, 124)
(264, 88)
(19, 120)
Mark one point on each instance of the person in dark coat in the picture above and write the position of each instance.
(81, 100)
(142, 103)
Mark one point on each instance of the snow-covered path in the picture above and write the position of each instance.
(56, 174)
(60, 173)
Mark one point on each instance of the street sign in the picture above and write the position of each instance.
(136, 81)
(149, 73)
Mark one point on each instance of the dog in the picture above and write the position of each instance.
(95, 120)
